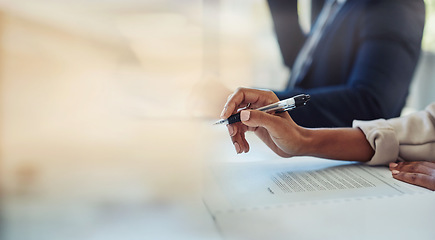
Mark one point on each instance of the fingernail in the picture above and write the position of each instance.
(393, 165)
(237, 146)
(244, 115)
(224, 111)
(395, 172)
(231, 130)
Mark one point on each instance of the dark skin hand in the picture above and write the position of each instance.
(282, 135)
(417, 173)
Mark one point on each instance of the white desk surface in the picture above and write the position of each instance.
(407, 216)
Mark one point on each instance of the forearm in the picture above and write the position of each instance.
(347, 144)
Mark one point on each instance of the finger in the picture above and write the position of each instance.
(418, 179)
(236, 142)
(427, 164)
(242, 97)
(232, 129)
(274, 124)
(238, 139)
(264, 135)
(414, 167)
(238, 147)
(235, 128)
(268, 127)
(233, 101)
(244, 143)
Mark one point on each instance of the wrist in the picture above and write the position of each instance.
(305, 142)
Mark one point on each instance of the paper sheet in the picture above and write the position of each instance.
(242, 186)
(308, 198)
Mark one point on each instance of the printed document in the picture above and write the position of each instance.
(261, 196)
(254, 185)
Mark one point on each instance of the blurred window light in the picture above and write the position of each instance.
(304, 11)
(429, 31)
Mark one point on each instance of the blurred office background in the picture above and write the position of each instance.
(105, 107)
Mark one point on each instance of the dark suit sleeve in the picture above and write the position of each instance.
(388, 51)
(287, 29)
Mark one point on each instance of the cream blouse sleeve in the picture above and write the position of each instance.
(408, 138)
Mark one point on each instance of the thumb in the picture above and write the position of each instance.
(253, 118)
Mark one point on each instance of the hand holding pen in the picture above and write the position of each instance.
(277, 107)
(273, 129)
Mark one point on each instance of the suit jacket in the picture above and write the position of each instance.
(364, 63)
(409, 138)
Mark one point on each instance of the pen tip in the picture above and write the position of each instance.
(219, 122)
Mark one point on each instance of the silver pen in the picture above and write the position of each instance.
(281, 106)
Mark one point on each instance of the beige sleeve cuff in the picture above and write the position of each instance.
(382, 137)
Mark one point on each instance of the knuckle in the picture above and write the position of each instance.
(413, 177)
(412, 168)
(229, 96)
(271, 97)
(271, 94)
(405, 167)
(240, 89)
